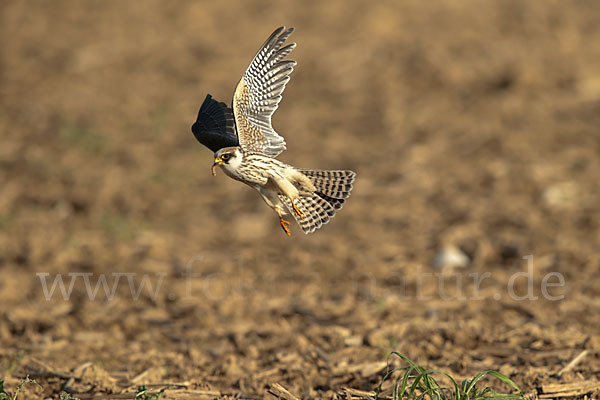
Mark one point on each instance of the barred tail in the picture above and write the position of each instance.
(332, 185)
(319, 207)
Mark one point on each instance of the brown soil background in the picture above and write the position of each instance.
(472, 124)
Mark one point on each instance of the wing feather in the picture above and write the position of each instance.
(215, 127)
(258, 94)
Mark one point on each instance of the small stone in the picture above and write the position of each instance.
(561, 195)
(353, 341)
(451, 256)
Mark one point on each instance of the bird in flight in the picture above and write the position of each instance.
(245, 144)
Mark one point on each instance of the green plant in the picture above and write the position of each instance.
(4, 395)
(143, 393)
(67, 396)
(416, 382)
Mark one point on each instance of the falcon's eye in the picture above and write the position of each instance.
(226, 157)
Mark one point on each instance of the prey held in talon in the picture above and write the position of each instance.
(245, 145)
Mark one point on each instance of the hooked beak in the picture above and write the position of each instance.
(218, 161)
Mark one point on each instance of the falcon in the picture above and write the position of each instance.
(245, 145)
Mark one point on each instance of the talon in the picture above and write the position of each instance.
(297, 211)
(284, 224)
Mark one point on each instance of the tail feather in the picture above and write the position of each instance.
(336, 203)
(319, 207)
(316, 211)
(334, 184)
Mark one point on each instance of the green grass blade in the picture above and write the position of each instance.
(418, 383)
(495, 374)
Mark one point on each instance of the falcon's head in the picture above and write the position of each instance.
(228, 157)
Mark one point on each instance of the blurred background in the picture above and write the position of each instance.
(473, 127)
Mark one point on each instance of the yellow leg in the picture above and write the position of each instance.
(285, 225)
(297, 211)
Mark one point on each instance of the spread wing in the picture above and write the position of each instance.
(215, 126)
(258, 94)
